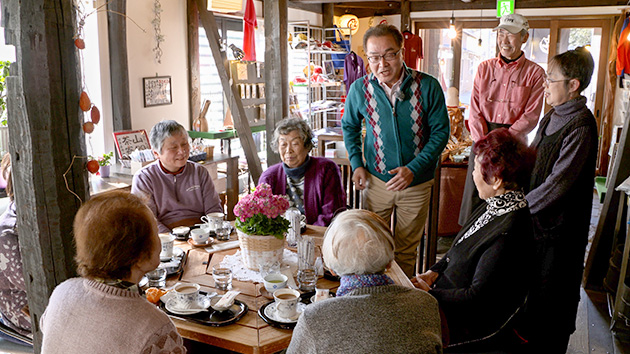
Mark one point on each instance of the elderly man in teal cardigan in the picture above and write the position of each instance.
(407, 127)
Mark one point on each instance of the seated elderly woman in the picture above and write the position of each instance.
(179, 191)
(13, 299)
(313, 184)
(370, 313)
(117, 243)
(482, 281)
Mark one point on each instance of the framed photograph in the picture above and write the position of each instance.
(157, 90)
(129, 140)
(329, 68)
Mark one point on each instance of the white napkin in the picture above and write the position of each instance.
(222, 246)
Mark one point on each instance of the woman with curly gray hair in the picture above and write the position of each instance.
(370, 314)
(313, 184)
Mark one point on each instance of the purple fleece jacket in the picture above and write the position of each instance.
(190, 194)
(323, 191)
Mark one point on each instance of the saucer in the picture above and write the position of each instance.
(177, 253)
(208, 242)
(203, 302)
(270, 311)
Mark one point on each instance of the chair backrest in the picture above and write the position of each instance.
(13, 336)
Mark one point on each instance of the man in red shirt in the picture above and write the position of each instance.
(507, 92)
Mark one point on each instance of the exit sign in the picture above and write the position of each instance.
(505, 7)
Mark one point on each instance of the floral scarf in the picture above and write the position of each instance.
(356, 281)
(497, 206)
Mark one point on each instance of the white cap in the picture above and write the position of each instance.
(513, 23)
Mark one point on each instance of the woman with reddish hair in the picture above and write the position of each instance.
(481, 283)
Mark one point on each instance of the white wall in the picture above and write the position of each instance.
(142, 61)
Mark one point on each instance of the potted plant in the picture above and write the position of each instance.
(261, 226)
(105, 162)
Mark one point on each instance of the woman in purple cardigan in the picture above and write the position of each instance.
(312, 184)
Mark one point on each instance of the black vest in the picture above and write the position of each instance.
(573, 209)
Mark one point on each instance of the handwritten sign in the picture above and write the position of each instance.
(157, 90)
(130, 140)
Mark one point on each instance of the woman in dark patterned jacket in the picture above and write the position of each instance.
(481, 284)
(12, 288)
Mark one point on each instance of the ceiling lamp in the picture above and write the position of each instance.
(225, 5)
(452, 32)
(349, 24)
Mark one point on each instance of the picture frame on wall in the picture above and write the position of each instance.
(157, 91)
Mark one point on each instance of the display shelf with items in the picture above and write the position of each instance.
(316, 72)
(249, 79)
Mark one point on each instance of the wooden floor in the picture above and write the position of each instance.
(593, 333)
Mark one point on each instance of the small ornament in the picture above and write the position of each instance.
(84, 102)
(238, 52)
(92, 166)
(79, 43)
(95, 114)
(88, 127)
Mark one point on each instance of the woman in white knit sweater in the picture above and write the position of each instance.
(103, 312)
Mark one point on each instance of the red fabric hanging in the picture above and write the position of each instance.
(249, 26)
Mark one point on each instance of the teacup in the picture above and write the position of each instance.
(199, 235)
(180, 231)
(275, 281)
(186, 295)
(212, 220)
(167, 242)
(286, 302)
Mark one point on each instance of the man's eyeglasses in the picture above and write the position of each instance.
(387, 56)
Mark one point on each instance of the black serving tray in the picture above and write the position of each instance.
(182, 259)
(304, 298)
(212, 317)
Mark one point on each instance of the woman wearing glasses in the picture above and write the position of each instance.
(560, 200)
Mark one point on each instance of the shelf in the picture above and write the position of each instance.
(323, 84)
(319, 51)
(226, 134)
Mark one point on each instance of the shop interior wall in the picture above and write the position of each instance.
(174, 61)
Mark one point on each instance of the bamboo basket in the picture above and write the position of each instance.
(257, 250)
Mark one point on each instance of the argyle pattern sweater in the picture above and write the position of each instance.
(413, 132)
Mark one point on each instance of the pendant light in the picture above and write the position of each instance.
(480, 28)
(452, 32)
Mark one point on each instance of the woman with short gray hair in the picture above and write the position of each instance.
(313, 184)
(370, 314)
(178, 191)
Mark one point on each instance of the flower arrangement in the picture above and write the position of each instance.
(260, 213)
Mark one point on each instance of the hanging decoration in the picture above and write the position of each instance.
(159, 37)
(85, 104)
(249, 31)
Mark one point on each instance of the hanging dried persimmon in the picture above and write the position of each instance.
(95, 115)
(84, 102)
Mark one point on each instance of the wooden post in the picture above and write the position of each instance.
(405, 14)
(119, 70)
(233, 97)
(193, 60)
(43, 111)
(328, 15)
(276, 69)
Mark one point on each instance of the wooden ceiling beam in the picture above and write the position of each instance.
(366, 8)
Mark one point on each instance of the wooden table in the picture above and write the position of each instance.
(251, 334)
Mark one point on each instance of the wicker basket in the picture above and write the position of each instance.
(256, 250)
